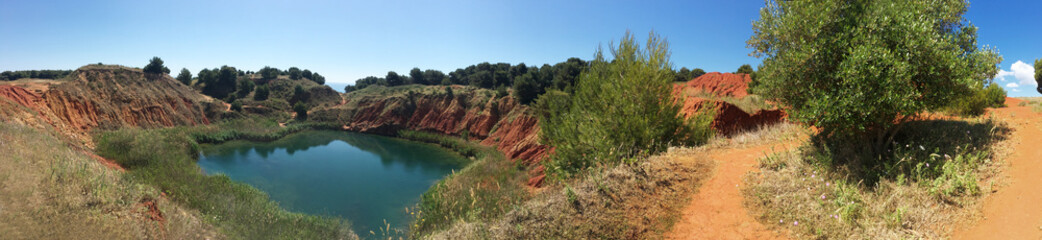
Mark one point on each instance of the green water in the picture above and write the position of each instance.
(365, 179)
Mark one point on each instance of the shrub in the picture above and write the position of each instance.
(185, 77)
(618, 110)
(237, 105)
(857, 68)
(302, 110)
(155, 66)
(261, 93)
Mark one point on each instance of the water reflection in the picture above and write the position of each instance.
(363, 178)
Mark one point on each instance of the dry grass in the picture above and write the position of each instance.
(765, 134)
(637, 201)
(1034, 102)
(821, 193)
(49, 190)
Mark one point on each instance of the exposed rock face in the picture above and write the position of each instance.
(729, 118)
(500, 122)
(109, 97)
(722, 84)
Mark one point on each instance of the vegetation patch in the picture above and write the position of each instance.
(937, 168)
(484, 190)
(625, 201)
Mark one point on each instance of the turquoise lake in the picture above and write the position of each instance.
(365, 179)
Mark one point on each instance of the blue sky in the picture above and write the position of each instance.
(347, 40)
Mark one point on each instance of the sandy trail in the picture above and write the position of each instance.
(1015, 211)
(716, 211)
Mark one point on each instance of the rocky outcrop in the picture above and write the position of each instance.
(109, 97)
(471, 112)
(713, 91)
(722, 84)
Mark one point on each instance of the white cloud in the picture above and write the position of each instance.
(1012, 85)
(1022, 72)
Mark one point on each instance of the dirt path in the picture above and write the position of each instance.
(716, 211)
(1015, 211)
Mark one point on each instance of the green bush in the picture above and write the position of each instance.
(618, 111)
(978, 100)
(301, 109)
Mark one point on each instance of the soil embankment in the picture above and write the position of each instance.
(465, 111)
(719, 92)
(1015, 210)
(103, 97)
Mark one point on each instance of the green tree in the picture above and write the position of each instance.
(745, 68)
(526, 89)
(393, 79)
(306, 74)
(301, 109)
(269, 73)
(683, 75)
(294, 73)
(315, 77)
(155, 66)
(185, 77)
(236, 105)
(261, 93)
(863, 68)
(697, 72)
(618, 112)
(417, 76)
(1038, 74)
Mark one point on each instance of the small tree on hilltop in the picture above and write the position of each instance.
(861, 69)
(155, 66)
(745, 68)
(185, 77)
(294, 73)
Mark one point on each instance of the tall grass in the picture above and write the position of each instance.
(484, 190)
(165, 159)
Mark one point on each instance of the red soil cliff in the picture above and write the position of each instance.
(730, 119)
(500, 122)
(105, 97)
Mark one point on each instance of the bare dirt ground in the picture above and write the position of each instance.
(716, 211)
(1015, 210)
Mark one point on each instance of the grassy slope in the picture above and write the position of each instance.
(49, 190)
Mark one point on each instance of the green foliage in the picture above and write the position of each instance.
(185, 77)
(618, 111)
(41, 74)
(486, 189)
(315, 77)
(302, 110)
(155, 66)
(245, 86)
(1038, 74)
(862, 68)
(974, 104)
(697, 72)
(502, 91)
(745, 68)
(306, 74)
(269, 73)
(526, 89)
(237, 105)
(294, 73)
(262, 93)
